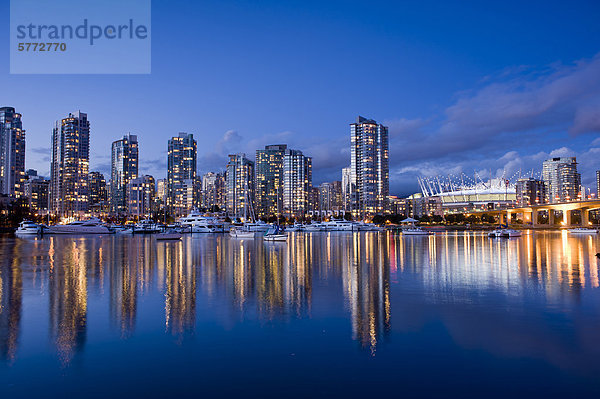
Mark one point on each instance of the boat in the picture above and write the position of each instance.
(237, 232)
(28, 228)
(118, 229)
(410, 228)
(312, 227)
(196, 222)
(296, 227)
(275, 234)
(339, 225)
(259, 225)
(505, 233)
(365, 226)
(146, 226)
(168, 236)
(582, 230)
(91, 226)
(415, 231)
(511, 233)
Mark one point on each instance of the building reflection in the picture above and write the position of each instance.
(11, 298)
(180, 296)
(67, 287)
(367, 287)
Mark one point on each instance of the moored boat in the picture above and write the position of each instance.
(91, 226)
(275, 234)
(583, 230)
(28, 228)
(237, 232)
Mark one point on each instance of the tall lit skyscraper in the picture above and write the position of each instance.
(213, 190)
(348, 189)
(98, 191)
(141, 192)
(560, 174)
(330, 197)
(598, 184)
(69, 190)
(124, 168)
(12, 153)
(531, 192)
(240, 186)
(297, 182)
(182, 190)
(269, 180)
(369, 166)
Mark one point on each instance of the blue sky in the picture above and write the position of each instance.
(487, 87)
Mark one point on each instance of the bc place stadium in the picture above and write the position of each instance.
(459, 194)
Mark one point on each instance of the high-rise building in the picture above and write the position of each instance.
(69, 190)
(330, 198)
(161, 191)
(598, 184)
(560, 174)
(12, 153)
(269, 180)
(141, 192)
(98, 191)
(36, 191)
(181, 174)
(124, 168)
(297, 182)
(369, 163)
(239, 184)
(348, 189)
(213, 190)
(531, 192)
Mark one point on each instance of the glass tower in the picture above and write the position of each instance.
(269, 180)
(297, 183)
(124, 168)
(12, 153)
(560, 174)
(369, 167)
(182, 193)
(69, 170)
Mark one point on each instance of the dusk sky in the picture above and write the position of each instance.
(463, 86)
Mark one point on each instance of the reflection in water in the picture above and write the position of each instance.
(11, 296)
(487, 293)
(68, 294)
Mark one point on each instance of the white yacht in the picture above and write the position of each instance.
(237, 232)
(296, 227)
(275, 234)
(195, 222)
(339, 225)
(28, 228)
(312, 227)
(364, 226)
(505, 233)
(583, 230)
(415, 231)
(259, 225)
(91, 226)
(146, 226)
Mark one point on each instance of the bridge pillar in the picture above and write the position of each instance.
(585, 217)
(534, 218)
(551, 221)
(567, 217)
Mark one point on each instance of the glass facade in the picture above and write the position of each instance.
(240, 187)
(182, 183)
(124, 168)
(269, 180)
(369, 167)
(564, 183)
(297, 182)
(12, 153)
(69, 186)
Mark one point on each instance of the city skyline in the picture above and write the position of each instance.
(430, 87)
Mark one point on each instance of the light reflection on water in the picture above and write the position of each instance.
(535, 297)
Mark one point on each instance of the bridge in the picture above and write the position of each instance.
(530, 214)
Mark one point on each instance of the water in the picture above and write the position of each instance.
(326, 314)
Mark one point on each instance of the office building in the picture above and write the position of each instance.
(369, 167)
(124, 168)
(141, 193)
(531, 192)
(69, 170)
(269, 180)
(239, 183)
(12, 153)
(562, 179)
(36, 190)
(182, 184)
(297, 182)
(213, 191)
(348, 189)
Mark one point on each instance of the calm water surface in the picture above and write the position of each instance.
(326, 314)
